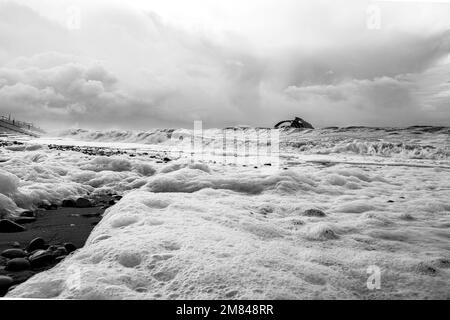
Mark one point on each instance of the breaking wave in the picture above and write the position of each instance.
(417, 142)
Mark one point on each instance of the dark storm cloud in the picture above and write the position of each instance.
(131, 69)
(376, 55)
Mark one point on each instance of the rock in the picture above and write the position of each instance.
(69, 247)
(52, 248)
(111, 202)
(48, 206)
(426, 269)
(8, 226)
(5, 283)
(83, 203)
(36, 244)
(24, 220)
(314, 213)
(41, 258)
(13, 253)
(68, 203)
(406, 216)
(37, 253)
(28, 213)
(231, 294)
(12, 288)
(390, 201)
(60, 251)
(17, 264)
(59, 259)
(441, 263)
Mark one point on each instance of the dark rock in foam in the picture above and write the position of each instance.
(13, 253)
(5, 283)
(41, 258)
(70, 247)
(314, 213)
(68, 203)
(28, 214)
(83, 203)
(60, 251)
(17, 264)
(36, 244)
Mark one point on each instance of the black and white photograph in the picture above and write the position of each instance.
(212, 150)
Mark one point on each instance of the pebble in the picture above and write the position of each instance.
(83, 203)
(426, 269)
(70, 247)
(17, 264)
(13, 253)
(314, 213)
(36, 244)
(52, 248)
(41, 258)
(49, 206)
(5, 283)
(8, 226)
(37, 253)
(231, 294)
(29, 214)
(60, 251)
(68, 203)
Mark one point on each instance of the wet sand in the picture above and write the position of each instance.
(56, 227)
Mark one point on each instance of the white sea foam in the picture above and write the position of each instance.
(410, 143)
(206, 231)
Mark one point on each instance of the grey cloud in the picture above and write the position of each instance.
(130, 69)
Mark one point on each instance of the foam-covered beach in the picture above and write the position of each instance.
(342, 203)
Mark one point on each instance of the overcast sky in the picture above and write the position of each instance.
(146, 64)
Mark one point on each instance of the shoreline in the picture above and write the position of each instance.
(59, 227)
(246, 224)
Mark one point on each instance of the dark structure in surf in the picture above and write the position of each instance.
(296, 123)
